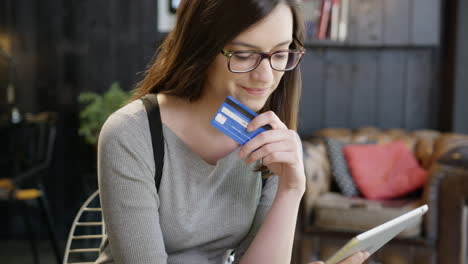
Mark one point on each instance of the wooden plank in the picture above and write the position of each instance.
(434, 90)
(148, 35)
(391, 82)
(4, 10)
(396, 20)
(366, 22)
(125, 32)
(24, 22)
(363, 86)
(25, 52)
(85, 33)
(122, 15)
(425, 22)
(418, 86)
(337, 90)
(136, 23)
(82, 22)
(114, 42)
(311, 111)
(461, 70)
(101, 44)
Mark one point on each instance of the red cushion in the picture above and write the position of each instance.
(384, 171)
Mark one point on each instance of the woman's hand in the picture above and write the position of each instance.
(356, 258)
(279, 149)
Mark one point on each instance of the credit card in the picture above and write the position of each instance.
(232, 119)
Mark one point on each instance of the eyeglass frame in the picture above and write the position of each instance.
(263, 55)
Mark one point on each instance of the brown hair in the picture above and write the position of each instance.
(202, 29)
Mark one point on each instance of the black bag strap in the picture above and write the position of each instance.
(157, 138)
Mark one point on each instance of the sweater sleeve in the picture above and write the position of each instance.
(266, 200)
(128, 195)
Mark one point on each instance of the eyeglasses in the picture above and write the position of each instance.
(246, 61)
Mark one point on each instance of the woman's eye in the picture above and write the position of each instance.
(243, 56)
(281, 56)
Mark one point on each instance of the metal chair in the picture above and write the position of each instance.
(32, 144)
(86, 234)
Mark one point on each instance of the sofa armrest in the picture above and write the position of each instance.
(446, 193)
(453, 223)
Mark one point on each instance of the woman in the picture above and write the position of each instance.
(211, 197)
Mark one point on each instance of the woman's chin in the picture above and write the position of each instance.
(254, 103)
(255, 106)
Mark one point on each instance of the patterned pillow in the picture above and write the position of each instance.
(339, 168)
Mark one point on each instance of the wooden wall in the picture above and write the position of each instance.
(386, 88)
(387, 80)
(62, 48)
(385, 74)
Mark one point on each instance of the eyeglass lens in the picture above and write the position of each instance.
(280, 61)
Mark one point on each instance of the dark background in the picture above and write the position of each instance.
(412, 77)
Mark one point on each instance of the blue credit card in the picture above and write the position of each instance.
(232, 119)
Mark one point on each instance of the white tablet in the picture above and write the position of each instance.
(376, 237)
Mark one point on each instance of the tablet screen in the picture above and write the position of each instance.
(376, 237)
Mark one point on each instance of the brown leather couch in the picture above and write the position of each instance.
(441, 237)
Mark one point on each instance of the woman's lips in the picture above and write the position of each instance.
(255, 91)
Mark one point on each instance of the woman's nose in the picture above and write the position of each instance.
(264, 72)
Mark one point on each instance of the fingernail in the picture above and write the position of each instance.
(240, 154)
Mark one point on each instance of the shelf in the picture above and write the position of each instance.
(343, 45)
(377, 24)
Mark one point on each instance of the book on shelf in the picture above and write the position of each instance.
(335, 19)
(343, 20)
(326, 19)
(311, 10)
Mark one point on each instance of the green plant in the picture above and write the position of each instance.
(97, 108)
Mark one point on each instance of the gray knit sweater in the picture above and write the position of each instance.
(200, 210)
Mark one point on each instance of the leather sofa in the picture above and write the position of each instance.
(440, 238)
